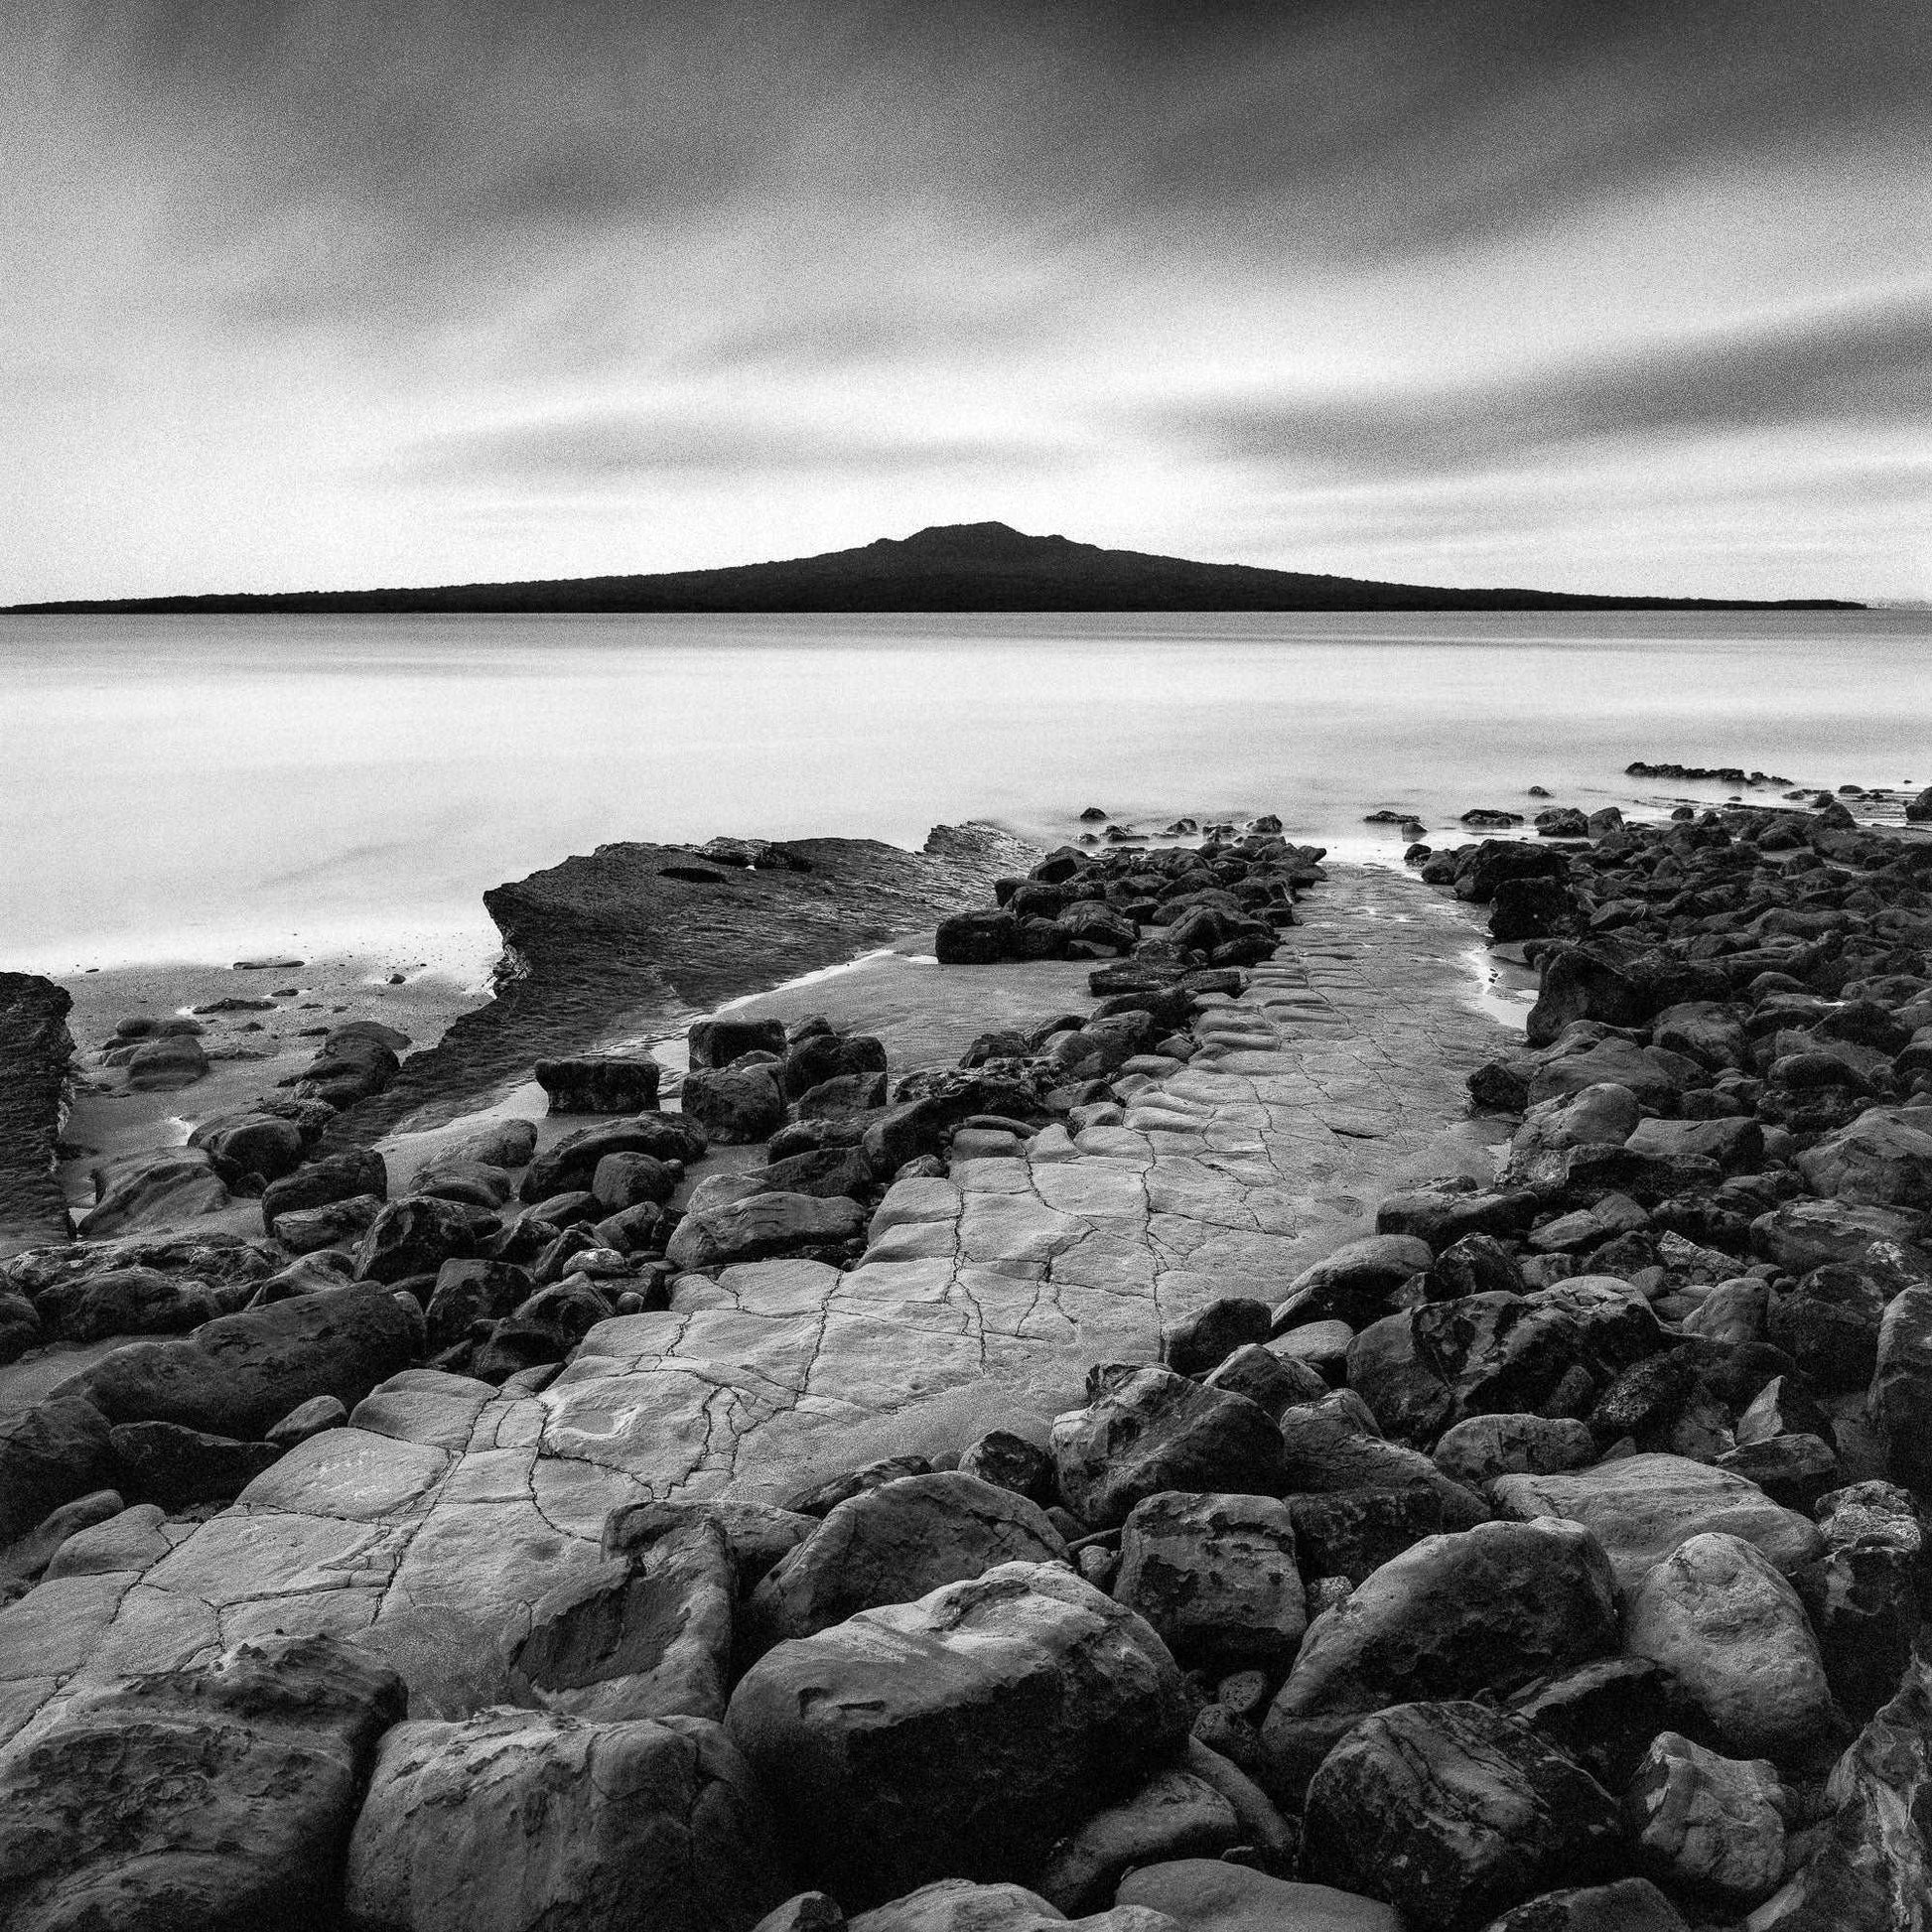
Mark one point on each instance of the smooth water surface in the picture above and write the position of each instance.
(195, 788)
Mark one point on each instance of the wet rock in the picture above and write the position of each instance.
(240, 1374)
(1485, 1610)
(1640, 1508)
(824, 1172)
(519, 1820)
(1706, 1825)
(735, 1107)
(217, 1796)
(1733, 1634)
(766, 1225)
(1453, 1813)
(960, 1736)
(1603, 1714)
(894, 1544)
(1881, 1158)
(469, 1184)
(1215, 1575)
(154, 1190)
(341, 1224)
(1830, 1322)
(1149, 1429)
(335, 1178)
(36, 1054)
(642, 1635)
(19, 1327)
(813, 1062)
(165, 1063)
(1347, 1535)
(608, 1086)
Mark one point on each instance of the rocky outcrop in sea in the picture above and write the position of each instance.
(1269, 1448)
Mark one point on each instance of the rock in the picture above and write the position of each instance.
(809, 1911)
(1215, 1575)
(823, 1171)
(130, 1301)
(822, 1498)
(1901, 1388)
(1171, 1816)
(19, 1327)
(1355, 1283)
(417, 1235)
(764, 1225)
(24, 1559)
(1272, 1381)
(1453, 1813)
(160, 1065)
(1335, 1444)
(335, 1178)
(51, 1455)
(341, 1224)
(1708, 1031)
(1203, 1340)
(959, 1736)
(155, 1190)
(252, 1143)
(161, 1462)
(643, 1636)
(606, 1086)
(1442, 1216)
(1873, 1870)
(520, 1820)
(469, 1182)
(1880, 1158)
(36, 1061)
(356, 1061)
(239, 1375)
(1707, 1824)
(1603, 1714)
(1009, 1462)
(1485, 1610)
(1483, 1447)
(1617, 984)
(1210, 1896)
(219, 1795)
(622, 1180)
(1149, 1429)
(573, 1162)
(893, 1544)
(1529, 908)
(1624, 1906)
(1347, 1535)
(469, 1292)
(1652, 1075)
(1794, 1470)
(1642, 1507)
(1830, 1322)
(1882, 1243)
(1862, 1601)
(717, 1043)
(1718, 1617)
(307, 1419)
(959, 1906)
(1737, 1145)
(975, 938)
(735, 1107)
(823, 1057)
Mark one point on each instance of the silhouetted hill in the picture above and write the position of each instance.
(950, 567)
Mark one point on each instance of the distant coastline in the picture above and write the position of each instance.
(956, 568)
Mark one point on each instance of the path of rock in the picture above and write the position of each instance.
(981, 1300)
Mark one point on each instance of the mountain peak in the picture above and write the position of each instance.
(972, 540)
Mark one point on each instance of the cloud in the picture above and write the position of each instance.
(1869, 361)
(604, 449)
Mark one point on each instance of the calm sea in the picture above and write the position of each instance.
(195, 788)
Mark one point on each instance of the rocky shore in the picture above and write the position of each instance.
(1265, 1449)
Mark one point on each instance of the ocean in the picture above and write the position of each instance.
(195, 789)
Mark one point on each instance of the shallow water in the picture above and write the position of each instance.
(202, 788)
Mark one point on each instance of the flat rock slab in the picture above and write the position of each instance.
(1337, 1077)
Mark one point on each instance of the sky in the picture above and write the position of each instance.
(1617, 297)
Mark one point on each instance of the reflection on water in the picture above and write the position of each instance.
(196, 788)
